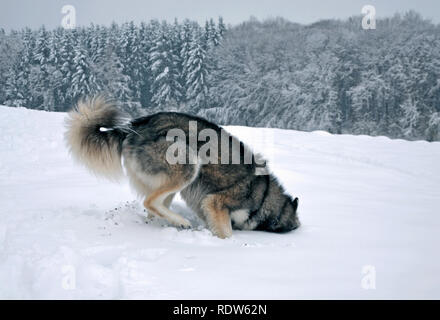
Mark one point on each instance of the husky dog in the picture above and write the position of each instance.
(226, 196)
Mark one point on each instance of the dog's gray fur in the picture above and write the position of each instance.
(225, 196)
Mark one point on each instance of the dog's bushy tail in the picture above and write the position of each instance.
(95, 132)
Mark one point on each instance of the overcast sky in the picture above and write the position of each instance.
(15, 14)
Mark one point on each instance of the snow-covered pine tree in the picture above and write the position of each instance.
(42, 49)
(55, 65)
(115, 82)
(40, 75)
(410, 117)
(128, 52)
(196, 74)
(84, 82)
(214, 33)
(66, 55)
(146, 36)
(211, 35)
(13, 94)
(221, 29)
(166, 89)
(98, 40)
(207, 37)
(186, 36)
(433, 130)
(18, 59)
(9, 57)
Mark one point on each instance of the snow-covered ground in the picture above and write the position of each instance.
(369, 209)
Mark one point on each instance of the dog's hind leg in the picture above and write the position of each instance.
(168, 200)
(217, 216)
(151, 166)
(155, 203)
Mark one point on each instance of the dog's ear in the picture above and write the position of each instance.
(295, 204)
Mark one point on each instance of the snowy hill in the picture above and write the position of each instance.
(366, 205)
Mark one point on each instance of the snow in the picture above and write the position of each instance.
(365, 204)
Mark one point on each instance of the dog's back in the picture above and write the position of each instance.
(220, 178)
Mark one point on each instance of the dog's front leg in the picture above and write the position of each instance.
(217, 216)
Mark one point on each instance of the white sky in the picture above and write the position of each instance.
(15, 14)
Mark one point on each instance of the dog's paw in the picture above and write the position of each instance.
(183, 224)
(222, 233)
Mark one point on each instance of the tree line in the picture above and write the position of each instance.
(331, 75)
(148, 66)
